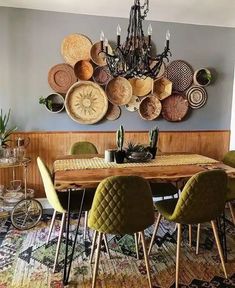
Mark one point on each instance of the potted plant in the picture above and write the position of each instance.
(202, 77)
(53, 102)
(4, 131)
(120, 153)
(153, 139)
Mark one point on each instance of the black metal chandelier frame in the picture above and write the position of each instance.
(133, 58)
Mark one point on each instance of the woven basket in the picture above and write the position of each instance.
(86, 102)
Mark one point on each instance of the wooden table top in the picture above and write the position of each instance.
(89, 178)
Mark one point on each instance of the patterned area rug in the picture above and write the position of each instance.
(26, 261)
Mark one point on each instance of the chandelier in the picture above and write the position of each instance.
(134, 57)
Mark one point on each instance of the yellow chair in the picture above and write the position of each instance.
(58, 203)
(202, 200)
(79, 148)
(122, 205)
(229, 159)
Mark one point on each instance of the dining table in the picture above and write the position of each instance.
(79, 172)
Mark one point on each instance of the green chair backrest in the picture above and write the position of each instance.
(83, 147)
(122, 205)
(229, 158)
(202, 199)
(49, 187)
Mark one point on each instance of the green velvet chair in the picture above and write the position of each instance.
(79, 148)
(122, 205)
(59, 201)
(83, 147)
(229, 159)
(202, 200)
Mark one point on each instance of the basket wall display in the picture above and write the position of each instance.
(97, 56)
(86, 102)
(180, 73)
(197, 97)
(61, 77)
(98, 94)
(83, 70)
(119, 91)
(101, 75)
(162, 88)
(113, 112)
(141, 87)
(75, 47)
(150, 108)
(175, 107)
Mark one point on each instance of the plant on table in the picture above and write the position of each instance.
(120, 153)
(5, 133)
(153, 140)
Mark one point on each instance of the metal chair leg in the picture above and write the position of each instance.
(85, 225)
(51, 226)
(190, 235)
(216, 235)
(154, 232)
(96, 260)
(198, 238)
(179, 226)
(146, 258)
(59, 241)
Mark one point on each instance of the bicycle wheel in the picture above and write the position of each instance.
(26, 214)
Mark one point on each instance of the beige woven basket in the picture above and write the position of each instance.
(86, 102)
(75, 47)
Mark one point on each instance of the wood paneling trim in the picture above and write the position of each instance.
(51, 144)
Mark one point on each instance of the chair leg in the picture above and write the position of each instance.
(179, 226)
(154, 232)
(198, 238)
(136, 245)
(51, 226)
(85, 225)
(146, 258)
(232, 211)
(216, 235)
(106, 245)
(190, 235)
(93, 246)
(59, 241)
(96, 259)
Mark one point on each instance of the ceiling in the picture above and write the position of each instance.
(201, 12)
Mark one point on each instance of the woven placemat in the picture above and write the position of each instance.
(162, 160)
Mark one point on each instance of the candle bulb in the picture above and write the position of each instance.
(118, 35)
(106, 43)
(150, 31)
(168, 35)
(102, 40)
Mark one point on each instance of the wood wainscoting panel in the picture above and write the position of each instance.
(50, 145)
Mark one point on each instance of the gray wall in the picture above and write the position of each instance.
(30, 45)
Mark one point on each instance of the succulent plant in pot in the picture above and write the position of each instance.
(4, 131)
(120, 153)
(153, 139)
(53, 102)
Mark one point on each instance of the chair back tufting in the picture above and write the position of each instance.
(202, 199)
(122, 205)
(83, 147)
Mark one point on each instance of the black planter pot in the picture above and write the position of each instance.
(153, 151)
(119, 156)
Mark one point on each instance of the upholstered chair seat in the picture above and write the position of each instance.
(122, 205)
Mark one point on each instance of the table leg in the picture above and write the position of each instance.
(67, 272)
(67, 239)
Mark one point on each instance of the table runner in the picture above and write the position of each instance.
(161, 160)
